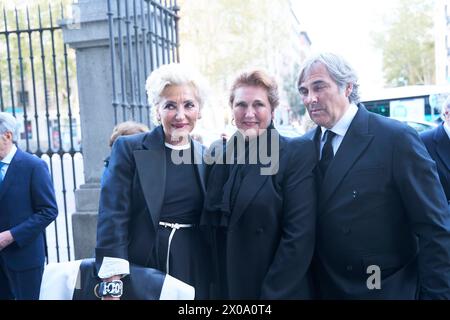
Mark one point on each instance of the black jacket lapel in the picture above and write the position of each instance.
(314, 135)
(198, 151)
(13, 171)
(251, 185)
(248, 190)
(443, 146)
(151, 168)
(356, 140)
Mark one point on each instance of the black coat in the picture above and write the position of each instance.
(131, 199)
(381, 204)
(269, 242)
(438, 146)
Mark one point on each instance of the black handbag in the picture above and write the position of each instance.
(141, 284)
(77, 280)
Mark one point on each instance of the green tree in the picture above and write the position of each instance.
(28, 84)
(222, 37)
(290, 87)
(14, 17)
(407, 44)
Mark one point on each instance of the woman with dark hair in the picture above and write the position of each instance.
(261, 201)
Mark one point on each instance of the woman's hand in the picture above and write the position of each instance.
(108, 280)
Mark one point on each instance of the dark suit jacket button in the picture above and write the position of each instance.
(259, 230)
(349, 268)
(346, 230)
(354, 194)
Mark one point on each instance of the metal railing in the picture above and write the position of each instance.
(143, 36)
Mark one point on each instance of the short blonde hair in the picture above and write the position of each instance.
(174, 74)
(125, 129)
(257, 78)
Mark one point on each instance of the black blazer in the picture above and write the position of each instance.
(438, 146)
(132, 195)
(381, 204)
(269, 241)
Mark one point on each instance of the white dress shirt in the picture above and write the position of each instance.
(447, 129)
(340, 128)
(7, 160)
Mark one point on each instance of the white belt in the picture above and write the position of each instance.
(175, 227)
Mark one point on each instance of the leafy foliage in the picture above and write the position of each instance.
(37, 57)
(223, 37)
(408, 43)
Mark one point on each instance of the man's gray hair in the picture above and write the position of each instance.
(339, 69)
(9, 123)
(174, 74)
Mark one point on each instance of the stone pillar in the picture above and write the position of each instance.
(88, 34)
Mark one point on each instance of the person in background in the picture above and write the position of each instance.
(437, 142)
(27, 207)
(262, 222)
(123, 129)
(383, 227)
(150, 204)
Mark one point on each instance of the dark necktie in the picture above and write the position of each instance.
(1, 173)
(327, 152)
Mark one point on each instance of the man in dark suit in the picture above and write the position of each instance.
(383, 229)
(27, 207)
(437, 142)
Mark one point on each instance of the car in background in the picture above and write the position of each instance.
(421, 126)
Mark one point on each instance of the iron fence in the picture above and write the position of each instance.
(143, 36)
(36, 86)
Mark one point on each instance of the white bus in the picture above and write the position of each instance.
(410, 103)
